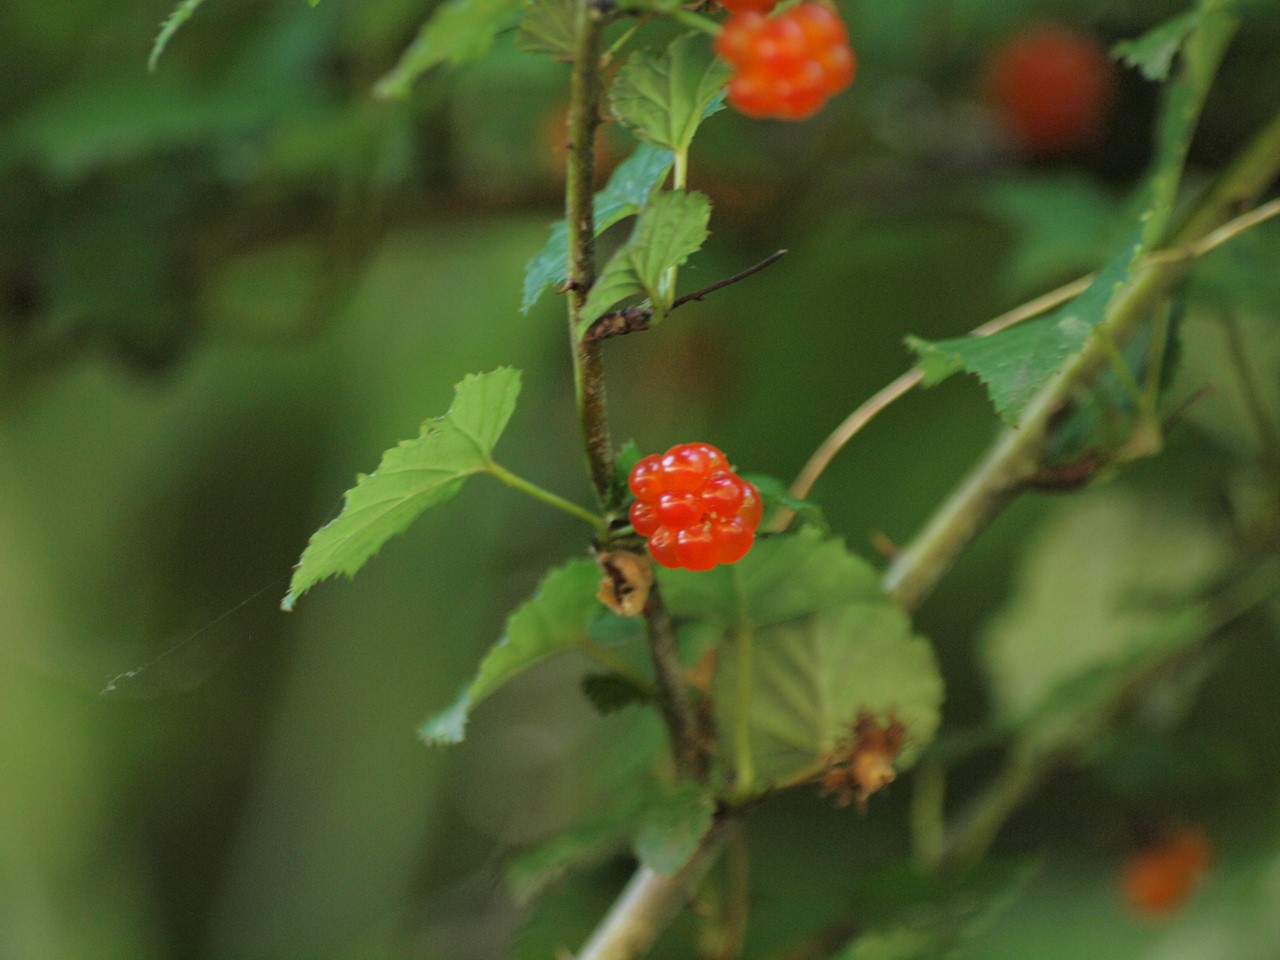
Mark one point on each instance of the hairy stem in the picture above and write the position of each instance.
(584, 117)
(684, 728)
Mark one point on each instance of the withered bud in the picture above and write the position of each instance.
(627, 580)
(862, 765)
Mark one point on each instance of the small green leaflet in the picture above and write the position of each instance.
(412, 476)
(626, 192)
(555, 620)
(669, 229)
(457, 32)
(547, 26)
(1015, 364)
(1153, 52)
(819, 643)
(181, 14)
(664, 97)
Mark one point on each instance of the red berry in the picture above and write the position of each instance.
(644, 517)
(1158, 880)
(695, 511)
(786, 66)
(748, 6)
(1051, 87)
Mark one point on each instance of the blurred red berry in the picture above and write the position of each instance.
(1158, 879)
(786, 66)
(1051, 87)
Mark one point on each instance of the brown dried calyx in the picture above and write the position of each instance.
(862, 765)
(628, 578)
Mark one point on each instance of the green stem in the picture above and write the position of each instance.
(696, 21)
(679, 181)
(517, 482)
(584, 117)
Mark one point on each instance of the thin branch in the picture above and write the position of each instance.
(876, 404)
(618, 323)
(767, 262)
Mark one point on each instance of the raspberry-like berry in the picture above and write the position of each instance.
(786, 66)
(1158, 880)
(1051, 87)
(695, 511)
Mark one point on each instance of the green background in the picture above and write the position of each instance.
(227, 286)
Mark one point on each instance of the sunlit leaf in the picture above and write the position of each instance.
(458, 32)
(664, 97)
(1153, 52)
(547, 26)
(413, 476)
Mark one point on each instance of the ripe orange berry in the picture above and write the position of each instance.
(694, 510)
(1158, 880)
(786, 66)
(1051, 87)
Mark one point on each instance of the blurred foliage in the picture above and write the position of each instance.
(228, 285)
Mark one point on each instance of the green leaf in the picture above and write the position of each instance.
(1202, 51)
(821, 644)
(1153, 52)
(458, 32)
(664, 97)
(547, 26)
(781, 578)
(810, 679)
(626, 192)
(673, 826)
(669, 229)
(555, 620)
(412, 476)
(1015, 364)
(1111, 582)
(181, 14)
